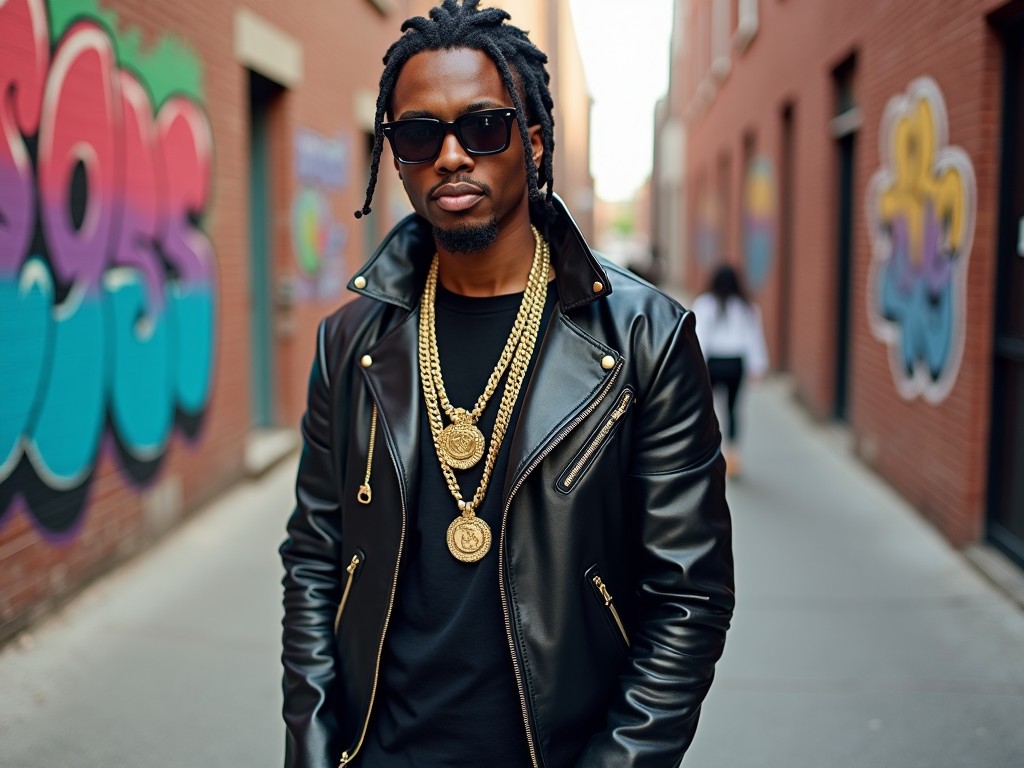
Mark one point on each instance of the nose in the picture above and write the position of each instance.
(453, 156)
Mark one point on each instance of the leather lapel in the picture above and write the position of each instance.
(394, 379)
(567, 378)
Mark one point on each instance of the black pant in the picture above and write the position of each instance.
(728, 372)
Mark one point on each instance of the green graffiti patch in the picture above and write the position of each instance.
(169, 67)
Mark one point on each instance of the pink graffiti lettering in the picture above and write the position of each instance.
(77, 135)
(141, 208)
(186, 144)
(107, 281)
(24, 40)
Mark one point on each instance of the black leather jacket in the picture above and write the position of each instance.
(614, 499)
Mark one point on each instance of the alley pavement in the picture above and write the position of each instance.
(861, 640)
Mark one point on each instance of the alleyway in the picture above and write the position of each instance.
(172, 662)
(860, 639)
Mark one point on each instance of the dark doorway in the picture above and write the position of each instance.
(844, 128)
(786, 217)
(264, 94)
(1006, 482)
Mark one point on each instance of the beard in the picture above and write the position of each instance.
(467, 238)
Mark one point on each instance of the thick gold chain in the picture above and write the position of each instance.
(525, 331)
(511, 344)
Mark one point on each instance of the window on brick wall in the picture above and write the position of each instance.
(680, 22)
(749, 149)
(720, 31)
(690, 53)
(746, 23)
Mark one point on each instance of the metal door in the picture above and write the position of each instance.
(262, 93)
(1006, 487)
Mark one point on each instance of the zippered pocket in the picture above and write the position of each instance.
(351, 569)
(585, 457)
(604, 596)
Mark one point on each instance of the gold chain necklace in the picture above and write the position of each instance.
(469, 537)
(461, 443)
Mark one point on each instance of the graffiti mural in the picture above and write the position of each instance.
(708, 230)
(759, 214)
(107, 279)
(318, 240)
(921, 206)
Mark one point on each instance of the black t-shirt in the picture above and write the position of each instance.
(447, 693)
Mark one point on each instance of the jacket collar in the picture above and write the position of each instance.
(398, 269)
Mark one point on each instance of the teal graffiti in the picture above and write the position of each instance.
(107, 278)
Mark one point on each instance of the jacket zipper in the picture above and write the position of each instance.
(365, 494)
(501, 553)
(351, 571)
(348, 756)
(602, 589)
(598, 441)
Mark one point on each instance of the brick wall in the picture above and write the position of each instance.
(932, 446)
(59, 529)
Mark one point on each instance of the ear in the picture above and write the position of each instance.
(535, 132)
(397, 166)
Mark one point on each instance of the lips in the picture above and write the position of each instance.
(457, 197)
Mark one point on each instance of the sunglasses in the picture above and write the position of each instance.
(419, 139)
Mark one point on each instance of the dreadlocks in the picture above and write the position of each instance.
(452, 25)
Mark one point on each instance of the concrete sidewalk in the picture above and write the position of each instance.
(170, 662)
(860, 638)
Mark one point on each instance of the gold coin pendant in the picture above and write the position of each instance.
(461, 445)
(469, 538)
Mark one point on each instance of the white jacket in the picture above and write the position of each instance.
(736, 332)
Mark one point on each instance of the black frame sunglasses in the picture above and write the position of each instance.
(419, 139)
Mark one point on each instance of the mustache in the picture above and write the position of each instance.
(460, 178)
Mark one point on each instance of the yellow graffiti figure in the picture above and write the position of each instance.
(916, 184)
(921, 206)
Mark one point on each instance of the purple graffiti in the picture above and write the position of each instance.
(107, 280)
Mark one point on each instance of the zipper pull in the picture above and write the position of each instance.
(627, 398)
(353, 565)
(603, 590)
(365, 494)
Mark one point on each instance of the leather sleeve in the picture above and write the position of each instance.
(684, 567)
(312, 587)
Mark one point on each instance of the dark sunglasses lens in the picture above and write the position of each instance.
(484, 133)
(417, 141)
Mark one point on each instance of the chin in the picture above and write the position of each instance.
(466, 237)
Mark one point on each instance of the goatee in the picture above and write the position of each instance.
(468, 238)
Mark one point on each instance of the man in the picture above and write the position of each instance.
(511, 545)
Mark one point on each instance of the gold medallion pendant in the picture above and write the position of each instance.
(461, 444)
(469, 538)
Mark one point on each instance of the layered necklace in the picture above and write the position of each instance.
(460, 444)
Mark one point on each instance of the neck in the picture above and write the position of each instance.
(500, 269)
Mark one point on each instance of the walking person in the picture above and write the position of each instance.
(732, 338)
(510, 545)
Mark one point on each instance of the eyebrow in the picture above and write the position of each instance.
(476, 106)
